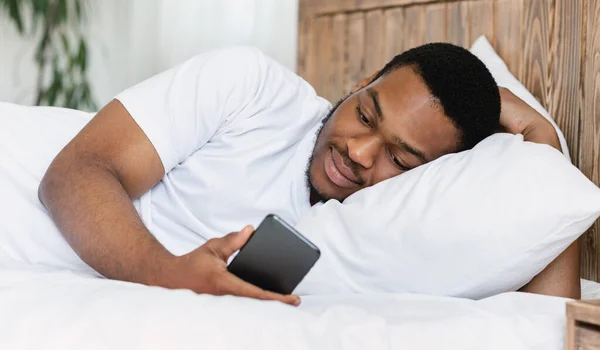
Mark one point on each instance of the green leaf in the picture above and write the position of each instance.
(55, 88)
(14, 12)
(72, 62)
(82, 55)
(65, 56)
(70, 102)
(40, 7)
(78, 10)
(65, 42)
(61, 12)
(55, 69)
(39, 52)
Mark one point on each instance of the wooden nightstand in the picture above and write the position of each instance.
(583, 325)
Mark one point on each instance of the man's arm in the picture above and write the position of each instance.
(88, 189)
(561, 277)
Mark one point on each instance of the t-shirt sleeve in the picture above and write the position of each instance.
(180, 109)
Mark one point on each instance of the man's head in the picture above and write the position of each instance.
(427, 102)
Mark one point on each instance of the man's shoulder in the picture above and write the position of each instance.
(263, 84)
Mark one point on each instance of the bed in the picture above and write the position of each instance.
(552, 46)
(63, 310)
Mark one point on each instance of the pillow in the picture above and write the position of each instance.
(486, 53)
(471, 224)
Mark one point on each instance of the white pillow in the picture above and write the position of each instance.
(486, 53)
(471, 224)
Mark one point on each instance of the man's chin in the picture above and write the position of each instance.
(323, 195)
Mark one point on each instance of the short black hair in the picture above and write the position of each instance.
(460, 83)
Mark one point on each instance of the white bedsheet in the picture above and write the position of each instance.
(61, 310)
(590, 290)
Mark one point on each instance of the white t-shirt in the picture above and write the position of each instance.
(234, 131)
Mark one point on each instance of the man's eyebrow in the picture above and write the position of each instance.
(375, 97)
(408, 148)
(398, 141)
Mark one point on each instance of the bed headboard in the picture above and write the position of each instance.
(552, 46)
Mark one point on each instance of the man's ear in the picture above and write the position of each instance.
(364, 82)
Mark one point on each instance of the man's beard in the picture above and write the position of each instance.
(314, 193)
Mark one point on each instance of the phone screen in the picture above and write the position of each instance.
(275, 258)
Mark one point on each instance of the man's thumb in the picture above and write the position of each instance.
(235, 241)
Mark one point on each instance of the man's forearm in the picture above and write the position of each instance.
(98, 219)
(543, 133)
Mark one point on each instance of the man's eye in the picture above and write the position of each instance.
(398, 164)
(362, 117)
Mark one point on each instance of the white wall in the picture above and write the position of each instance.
(131, 40)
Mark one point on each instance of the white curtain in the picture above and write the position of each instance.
(149, 36)
(131, 40)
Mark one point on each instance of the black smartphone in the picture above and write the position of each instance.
(275, 258)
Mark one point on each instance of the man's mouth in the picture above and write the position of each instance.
(338, 172)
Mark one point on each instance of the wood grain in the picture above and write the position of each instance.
(324, 7)
(374, 41)
(482, 21)
(435, 23)
(339, 57)
(585, 310)
(414, 26)
(311, 57)
(565, 88)
(394, 33)
(304, 9)
(583, 321)
(303, 47)
(589, 154)
(508, 22)
(587, 338)
(323, 51)
(570, 334)
(534, 60)
(458, 23)
(356, 48)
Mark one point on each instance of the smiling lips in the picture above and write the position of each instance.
(338, 172)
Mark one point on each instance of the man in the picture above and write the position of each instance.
(229, 136)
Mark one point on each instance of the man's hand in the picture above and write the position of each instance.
(204, 270)
(517, 117)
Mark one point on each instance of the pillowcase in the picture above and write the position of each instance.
(471, 224)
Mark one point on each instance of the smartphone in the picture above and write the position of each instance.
(275, 258)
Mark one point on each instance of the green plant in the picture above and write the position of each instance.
(62, 52)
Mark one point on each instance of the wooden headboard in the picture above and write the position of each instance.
(552, 46)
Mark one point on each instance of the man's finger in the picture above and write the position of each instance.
(236, 286)
(233, 242)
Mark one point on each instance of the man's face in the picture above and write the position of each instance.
(382, 130)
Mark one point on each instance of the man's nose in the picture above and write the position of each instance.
(363, 149)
